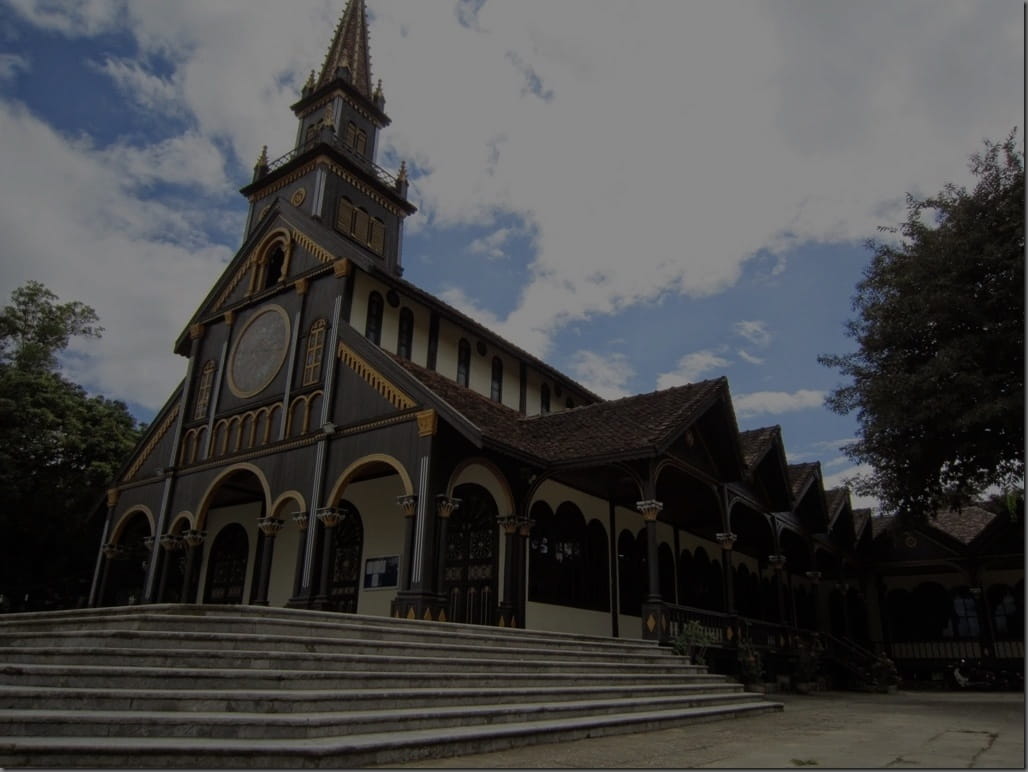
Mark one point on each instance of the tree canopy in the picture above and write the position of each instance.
(937, 381)
(59, 449)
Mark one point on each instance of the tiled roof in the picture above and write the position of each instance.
(798, 474)
(965, 525)
(861, 516)
(837, 498)
(755, 443)
(618, 427)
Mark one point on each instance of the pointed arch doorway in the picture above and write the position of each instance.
(472, 557)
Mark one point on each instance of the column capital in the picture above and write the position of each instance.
(814, 576)
(302, 520)
(171, 542)
(193, 537)
(509, 523)
(525, 526)
(649, 508)
(270, 525)
(112, 550)
(777, 561)
(148, 542)
(329, 516)
(446, 505)
(408, 504)
(727, 540)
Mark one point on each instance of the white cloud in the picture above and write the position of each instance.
(754, 331)
(748, 357)
(78, 18)
(690, 368)
(457, 298)
(776, 402)
(11, 65)
(93, 240)
(188, 159)
(151, 92)
(605, 374)
(491, 245)
(844, 478)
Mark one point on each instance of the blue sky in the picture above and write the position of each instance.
(641, 193)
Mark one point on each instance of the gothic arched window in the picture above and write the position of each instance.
(315, 352)
(373, 325)
(406, 335)
(463, 362)
(203, 391)
(496, 385)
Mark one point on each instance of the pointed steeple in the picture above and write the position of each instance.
(350, 49)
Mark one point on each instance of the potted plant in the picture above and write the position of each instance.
(692, 642)
(750, 666)
(884, 676)
(804, 675)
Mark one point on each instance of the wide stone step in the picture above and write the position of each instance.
(95, 723)
(263, 660)
(26, 642)
(377, 748)
(326, 700)
(262, 620)
(226, 678)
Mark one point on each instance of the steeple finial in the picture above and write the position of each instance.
(349, 49)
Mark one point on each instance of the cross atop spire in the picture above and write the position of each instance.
(350, 49)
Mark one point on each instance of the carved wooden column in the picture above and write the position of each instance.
(194, 543)
(655, 623)
(329, 517)
(509, 524)
(444, 507)
(408, 505)
(727, 541)
(170, 543)
(111, 552)
(302, 520)
(778, 564)
(815, 580)
(270, 526)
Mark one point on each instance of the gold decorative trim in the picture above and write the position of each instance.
(368, 191)
(267, 450)
(410, 613)
(442, 615)
(372, 425)
(427, 616)
(149, 447)
(311, 246)
(341, 268)
(298, 197)
(229, 317)
(375, 379)
(427, 423)
(301, 286)
(338, 94)
(284, 182)
(244, 269)
(112, 496)
(196, 331)
(651, 623)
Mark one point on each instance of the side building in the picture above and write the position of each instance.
(344, 440)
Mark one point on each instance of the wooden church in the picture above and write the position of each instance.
(346, 441)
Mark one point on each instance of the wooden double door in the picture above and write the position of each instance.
(470, 576)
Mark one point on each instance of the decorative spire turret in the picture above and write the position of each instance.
(261, 167)
(349, 51)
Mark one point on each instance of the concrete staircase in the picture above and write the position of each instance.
(245, 686)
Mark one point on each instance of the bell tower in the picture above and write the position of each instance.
(333, 160)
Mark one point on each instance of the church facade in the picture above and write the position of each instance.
(344, 440)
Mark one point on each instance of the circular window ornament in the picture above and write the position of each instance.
(259, 352)
(298, 197)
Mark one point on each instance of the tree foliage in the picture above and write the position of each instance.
(937, 381)
(59, 449)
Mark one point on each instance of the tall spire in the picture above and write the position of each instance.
(350, 49)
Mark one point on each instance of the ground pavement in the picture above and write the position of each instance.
(824, 730)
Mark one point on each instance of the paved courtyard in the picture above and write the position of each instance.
(825, 730)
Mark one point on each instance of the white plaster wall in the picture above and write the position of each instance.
(446, 351)
(564, 619)
(244, 514)
(283, 560)
(383, 534)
